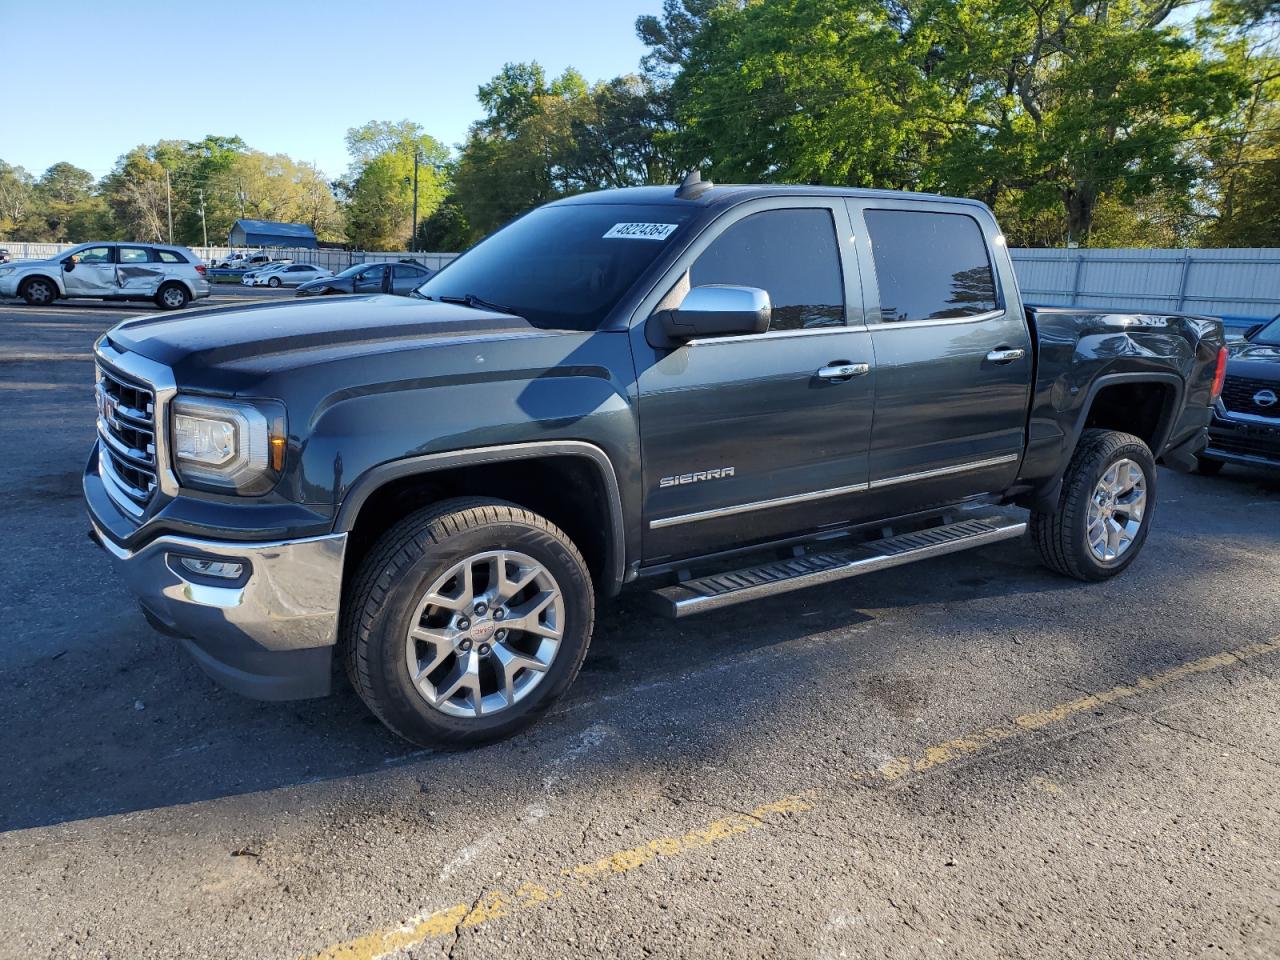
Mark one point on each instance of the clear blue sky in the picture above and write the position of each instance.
(288, 78)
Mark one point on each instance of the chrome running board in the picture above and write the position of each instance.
(782, 576)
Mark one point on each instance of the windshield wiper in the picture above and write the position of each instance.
(476, 303)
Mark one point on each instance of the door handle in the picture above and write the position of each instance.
(1006, 355)
(843, 370)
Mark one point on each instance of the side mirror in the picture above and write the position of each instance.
(717, 310)
(69, 264)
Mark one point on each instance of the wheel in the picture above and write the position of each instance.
(273, 282)
(1208, 467)
(1104, 511)
(172, 296)
(39, 291)
(466, 621)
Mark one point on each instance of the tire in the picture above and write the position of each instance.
(391, 593)
(1208, 467)
(38, 291)
(1063, 535)
(273, 282)
(172, 296)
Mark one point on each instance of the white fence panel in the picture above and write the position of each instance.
(330, 259)
(1235, 281)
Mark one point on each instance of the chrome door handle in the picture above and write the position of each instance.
(843, 371)
(1005, 355)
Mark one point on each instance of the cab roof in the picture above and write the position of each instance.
(728, 194)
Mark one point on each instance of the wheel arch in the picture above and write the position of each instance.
(573, 483)
(57, 283)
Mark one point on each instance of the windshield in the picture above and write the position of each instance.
(563, 267)
(1270, 334)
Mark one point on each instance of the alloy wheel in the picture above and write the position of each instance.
(1116, 509)
(485, 633)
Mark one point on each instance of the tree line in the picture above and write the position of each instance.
(1098, 122)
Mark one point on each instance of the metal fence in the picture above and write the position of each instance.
(1234, 281)
(329, 259)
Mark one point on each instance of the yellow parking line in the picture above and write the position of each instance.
(495, 904)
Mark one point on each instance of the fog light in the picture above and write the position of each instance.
(223, 569)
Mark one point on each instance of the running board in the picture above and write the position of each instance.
(782, 576)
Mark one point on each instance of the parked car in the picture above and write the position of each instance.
(170, 276)
(243, 261)
(5, 257)
(625, 387)
(289, 276)
(249, 275)
(1246, 418)
(398, 278)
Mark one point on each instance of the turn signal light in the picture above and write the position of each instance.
(1219, 374)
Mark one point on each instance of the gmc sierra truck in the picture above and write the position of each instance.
(723, 392)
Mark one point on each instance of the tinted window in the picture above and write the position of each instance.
(168, 256)
(930, 265)
(791, 254)
(373, 274)
(563, 266)
(406, 270)
(1270, 334)
(134, 255)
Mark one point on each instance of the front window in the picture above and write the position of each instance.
(92, 255)
(1270, 334)
(562, 267)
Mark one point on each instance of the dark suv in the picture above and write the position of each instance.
(1246, 419)
(720, 393)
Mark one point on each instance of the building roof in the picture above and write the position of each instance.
(275, 228)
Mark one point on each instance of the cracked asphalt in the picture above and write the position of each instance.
(964, 758)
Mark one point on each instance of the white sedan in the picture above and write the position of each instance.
(288, 276)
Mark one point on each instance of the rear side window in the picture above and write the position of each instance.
(169, 256)
(406, 270)
(134, 255)
(930, 266)
(791, 254)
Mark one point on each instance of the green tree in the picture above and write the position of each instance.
(17, 194)
(379, 185)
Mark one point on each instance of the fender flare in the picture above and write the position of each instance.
(376, 477)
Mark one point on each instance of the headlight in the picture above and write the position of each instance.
(228, 446)
(7, 268)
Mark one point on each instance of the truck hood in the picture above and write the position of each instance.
(1259, 361)
(277, 336)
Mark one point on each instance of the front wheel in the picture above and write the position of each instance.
(39, 292)
(466, 621)
(273, 282)
(1103, 513)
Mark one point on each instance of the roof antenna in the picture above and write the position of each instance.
(693, 186)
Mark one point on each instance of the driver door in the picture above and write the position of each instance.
(92, 275)
(749, 438)
(372, 280)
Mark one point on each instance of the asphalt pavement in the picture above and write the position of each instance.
(969, 757)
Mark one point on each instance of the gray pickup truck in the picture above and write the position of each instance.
(721, 393)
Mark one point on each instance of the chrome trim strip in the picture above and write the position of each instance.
(822, 494)
(755, 505)
(163, 387)
(1226, 413)
(118, 490)
(685, 606)
(944, 471)
(882, 324)
(778, 335)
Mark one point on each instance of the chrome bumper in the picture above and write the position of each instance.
(267, 634)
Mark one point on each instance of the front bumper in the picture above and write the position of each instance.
(1244, 438)
(270, 633)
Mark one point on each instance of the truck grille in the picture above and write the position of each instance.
(1247, 446)
(1238, 394)
(127, 429)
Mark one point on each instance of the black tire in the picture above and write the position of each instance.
(1060, 534)
(395, 575)
(172, 296)
(273, 282)
(38, 291)
(1208, 467)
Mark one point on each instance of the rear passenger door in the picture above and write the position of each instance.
(751, 437)
(405, 278)
(138, 273)
(953, 353)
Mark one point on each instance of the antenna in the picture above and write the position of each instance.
(693, 186)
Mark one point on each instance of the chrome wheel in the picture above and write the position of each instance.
(1116, 509)
(173, 297)
(485, 633)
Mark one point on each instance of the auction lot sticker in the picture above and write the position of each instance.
(640, 231)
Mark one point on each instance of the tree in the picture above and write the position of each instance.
(17, 191)
(379, 185)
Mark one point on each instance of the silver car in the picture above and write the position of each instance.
(169, 276)
(289, 276)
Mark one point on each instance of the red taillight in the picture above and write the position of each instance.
(1219, 373)
(201, 268)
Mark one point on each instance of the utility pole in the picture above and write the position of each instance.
(168, 202)
(413, 238)
(204, 227)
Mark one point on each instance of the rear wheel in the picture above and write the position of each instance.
(172, 296)
(1208, 467)
(1104, 510)
(466, 621)
(38, 291)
